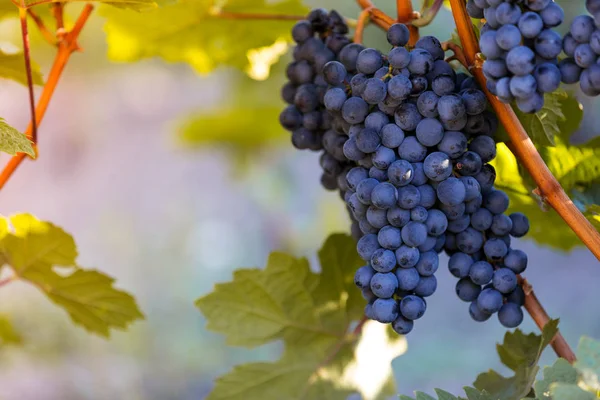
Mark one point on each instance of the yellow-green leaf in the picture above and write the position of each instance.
(90, 299)
(36, 246)
(195, 33)
(12, 66)
(12, 141)
(289, 378)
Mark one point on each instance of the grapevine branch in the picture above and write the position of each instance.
(363, 18)
(48, 36)
(378, 17)
(541, 318)
(551, 191)
(428, 14)
(533, 162)
(67, 46)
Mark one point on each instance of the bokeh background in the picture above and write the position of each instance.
(169, 219)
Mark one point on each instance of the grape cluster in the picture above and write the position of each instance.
(320, 39)
(582, 47)
(521, 49)
(421, 136)
(407, 142)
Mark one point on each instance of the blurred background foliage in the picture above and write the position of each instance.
(170, 175)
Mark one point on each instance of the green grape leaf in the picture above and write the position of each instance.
(90, 299)
(198, 35)
(288, 378)
(236, 127)
(561, 371)
(35, 247)
(12, 66)
(12, 141)
(443, 395)
(405, 397)
(573, 112)
(8, 334)
(543, 126)
(311, 312)
(285, 300)
(563, 391)
(131, 4)
(474, 394)
(520, 353)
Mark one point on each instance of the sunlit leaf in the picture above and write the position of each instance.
(131, 4)
(8, 334)
(12, 66)
(12, 141)
(197, 35)
(35, 247)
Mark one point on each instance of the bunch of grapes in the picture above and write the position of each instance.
(521, 49)
(320, 39)
(410, 141)
(582, 46)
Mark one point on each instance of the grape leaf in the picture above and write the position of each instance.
(12, 66)
(561, 371)
(285, 300)
(12, 141)
(311, 312)
(131, 4)
(197, 35)
(8, 334)
(35, 247)
(288, 378)
(423, 396)
(521, 353)
(443, 395)
(7, 10)
(588, 356)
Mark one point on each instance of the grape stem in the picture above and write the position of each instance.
(378, 17)
(363, 19)
(428, 14)
(541, 318)
(528, 156)
(458, 53)
(27, 56)
(66, 46)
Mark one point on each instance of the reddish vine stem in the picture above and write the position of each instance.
(378, 17)
(26, 53)
(66, 47)
(458, 53)
(363, 19)
(531, 159)
(541, 318)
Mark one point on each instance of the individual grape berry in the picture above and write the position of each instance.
(460, 264)
(411, 150)
(412, 307)
(489, 300)
(437, 166)
(398, 217)
(402, 326)
(451, 192)
(414, 234)
(495, 249)
(355, 110)
(426, 287)
(407, 257)
(398, 35)
(383, 285)
(481, 273)
(428, 263)
(385, 310)
(517, 296)
(369, 61)
(505, 280)
(334, 73)
(477, 314)
(510, 315)
(399, 57)
(520, 225)
(408, 278)
(391, 136)
(429, 132)
(367, 245)
(467, 291)
(384, 196)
